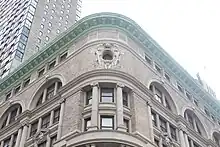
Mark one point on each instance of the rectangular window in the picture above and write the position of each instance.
(196, 102)
(107, 95)
(19, 55)
(188, 95)
(167, 76)
(8, 95)
(63, 57)
(173, 132)
(126, 124)
(26, 82)
(45, 122)
(153, 117)
(107, 122)
(33, 128)
(89, 97)
(53, 140)
(158, 68)
(148, 59)
(125, 98)
(24, 38)
(56, 116)
(87, 123)
(17, 89)
(51, 65)
(41, 72)
(180, 88)
(163, 125)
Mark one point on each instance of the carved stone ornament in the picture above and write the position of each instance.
(41, 136)
(167, 140)
(107, 55)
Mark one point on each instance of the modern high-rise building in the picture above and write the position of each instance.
(27, 26)
(105, 83)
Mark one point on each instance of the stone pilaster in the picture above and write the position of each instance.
(95, 105)
(59, 132)
(119, 104)
(24, 135)
(18, 138)
(186, 140)
(149, 105)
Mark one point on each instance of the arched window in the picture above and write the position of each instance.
(10, 115)
(194, 122)
(162, 96)
(47, 91)
(216, 138)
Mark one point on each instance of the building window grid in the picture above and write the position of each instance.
(173, 132)
(125, 98)
(45, 121)
(89, 97)
(107, 95)
(56, 116)
(33, 129)
(87, 122)
(163, 126)
(107, 122)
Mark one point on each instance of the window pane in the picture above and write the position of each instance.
(107, 95)
(107, 122)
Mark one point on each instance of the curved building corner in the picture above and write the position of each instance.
(105, 83)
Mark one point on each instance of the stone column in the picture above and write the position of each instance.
(39, 124)
(163, 100)
(181, 137)
(158, 121)
(60, 125)
(191, 143)
(186, 139)
(51, 118)
(18, 138)
(168, 129)
(149, 105)
(11, 140)
(24, 135)
(48, 141)
(8, 119)
(119, 105)
(95, 105)
(55, 88)
(18, 111)
(44, 95)
(187, 118)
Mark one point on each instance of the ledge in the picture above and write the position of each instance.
(105, 136)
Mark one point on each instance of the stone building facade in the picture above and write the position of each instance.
(105, 83)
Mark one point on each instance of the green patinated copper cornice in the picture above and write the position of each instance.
(134, 31)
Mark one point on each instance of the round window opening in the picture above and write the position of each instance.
(107, 55)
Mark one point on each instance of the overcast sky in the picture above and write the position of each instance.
(189, 30)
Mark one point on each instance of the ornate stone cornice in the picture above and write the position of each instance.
(112, 20)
